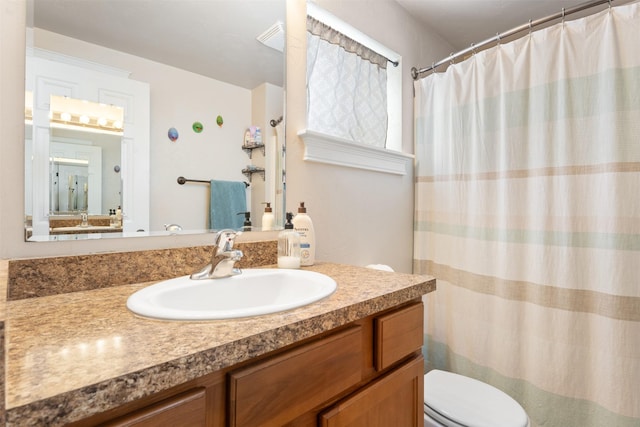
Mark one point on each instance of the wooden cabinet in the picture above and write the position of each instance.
(186, 410)
(397, 334)
(368, 373)
(280, 389)
(393, 400)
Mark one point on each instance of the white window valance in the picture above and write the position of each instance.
(328, 34)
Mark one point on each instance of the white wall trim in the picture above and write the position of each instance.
(323, 148)
(77, 62)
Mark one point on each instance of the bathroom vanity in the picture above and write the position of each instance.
(353, 358)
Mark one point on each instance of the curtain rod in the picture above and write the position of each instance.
(415, 73)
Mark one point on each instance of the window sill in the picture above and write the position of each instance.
(323, 148)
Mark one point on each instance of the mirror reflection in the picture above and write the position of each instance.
(208, 85)
(84, 157)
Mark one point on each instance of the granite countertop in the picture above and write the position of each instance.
(4, 274)
(75, 354)
(85, 229)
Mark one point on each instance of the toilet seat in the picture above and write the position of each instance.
(458, 401)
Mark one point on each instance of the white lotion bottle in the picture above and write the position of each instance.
(119, 217)
(288, 246)
(267, 217)
(304, 226)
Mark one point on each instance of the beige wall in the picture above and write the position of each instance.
(360, 217)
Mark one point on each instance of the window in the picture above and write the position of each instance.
(349, 77)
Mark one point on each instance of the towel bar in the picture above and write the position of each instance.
(182, 180)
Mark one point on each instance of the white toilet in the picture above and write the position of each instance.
(452, 400)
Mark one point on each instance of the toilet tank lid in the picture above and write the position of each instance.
(471, 402)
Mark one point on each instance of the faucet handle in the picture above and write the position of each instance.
(225, 239)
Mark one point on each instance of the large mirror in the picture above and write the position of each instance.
(194, 81)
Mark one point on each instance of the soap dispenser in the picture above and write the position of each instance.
(246, 226)
(119, 217)
(112, 218)
(267, 217)
(288, 246)
(303, 225)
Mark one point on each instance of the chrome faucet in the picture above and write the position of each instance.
(223, 259)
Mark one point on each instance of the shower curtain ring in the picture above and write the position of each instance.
(452, 60)
(563, 15)
(433, 68)
(530, 26)
(498, 37)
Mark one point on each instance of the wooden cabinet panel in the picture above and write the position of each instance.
(367, 374)
(276, 391)
(187, 409)
(397, 335)
(394, 400)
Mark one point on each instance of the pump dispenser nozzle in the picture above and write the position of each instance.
(247, 221)
(289, 225)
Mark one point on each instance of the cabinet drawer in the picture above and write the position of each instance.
(274, 392)
(397, 335)
(186, 409)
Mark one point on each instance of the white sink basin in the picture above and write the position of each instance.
(252, 293)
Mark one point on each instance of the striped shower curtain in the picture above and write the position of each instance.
(528, 214)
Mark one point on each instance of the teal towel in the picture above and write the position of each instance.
(227, 199)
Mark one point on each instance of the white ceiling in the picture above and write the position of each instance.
(463, 22)
(215, 38)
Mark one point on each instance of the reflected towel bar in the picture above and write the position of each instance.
(182, 180)
(275, 122)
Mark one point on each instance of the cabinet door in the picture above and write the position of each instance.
(278, 390)
(394, 400)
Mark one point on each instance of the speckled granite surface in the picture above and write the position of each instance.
(4, 267)
(72, 355)
(71, 220)
(2, 383)
(38, 277)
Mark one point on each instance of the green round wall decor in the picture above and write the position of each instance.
(197, 127)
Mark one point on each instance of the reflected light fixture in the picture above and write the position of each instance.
(89, 116)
